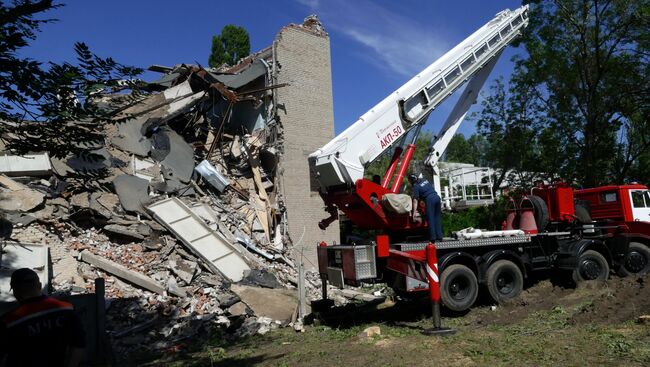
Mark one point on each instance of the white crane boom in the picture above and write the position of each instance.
(342, 161)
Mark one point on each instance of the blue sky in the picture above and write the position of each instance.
(375, 45)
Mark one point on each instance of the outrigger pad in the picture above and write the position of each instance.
(439, 331)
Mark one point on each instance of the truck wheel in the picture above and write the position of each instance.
(591, 266)
(504, 280)
(540, 210)
(458, 287)
(637, 260)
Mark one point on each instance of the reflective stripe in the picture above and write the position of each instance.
(37, 314)
(32, 306)
(432, 274)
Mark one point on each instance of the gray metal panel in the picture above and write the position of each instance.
(455, 244)
(211, 174)
(20, 255)
(236, 81)
(220, 255)
(335, 276)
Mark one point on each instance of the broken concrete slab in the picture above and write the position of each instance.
(105, 203)
(11, 184)
(80, 200)
(133, 192)
(183, 269)
(238, 309)
(46, 213)
(21, 219)
(22, 200)
(123, 231)
(278, 304)
(130, 137)
(227, 299)
(60, 167)
(90, 162)
(142, 229)
(173, 288)
(169, 186)
(220, 256)
(26, 165)
(123, 272)
(179, 163)
(95, 205)
(261, 278)
(59, 202)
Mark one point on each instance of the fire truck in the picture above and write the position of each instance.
(497, 261)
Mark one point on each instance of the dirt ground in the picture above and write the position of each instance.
(592, 324)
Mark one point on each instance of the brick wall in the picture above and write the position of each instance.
(307, 114)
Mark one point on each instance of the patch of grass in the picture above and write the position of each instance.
(550, 337)
(399, 331)
(215, 354)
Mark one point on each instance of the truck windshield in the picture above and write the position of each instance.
(640, 199)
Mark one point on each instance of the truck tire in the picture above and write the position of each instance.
(504, 280)
(591, 266)
(540, 210)
(458, 287)
(637, 260)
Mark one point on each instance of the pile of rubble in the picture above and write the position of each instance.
(181, 210)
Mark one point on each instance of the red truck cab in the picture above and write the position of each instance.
(624, 203)
(628, 205)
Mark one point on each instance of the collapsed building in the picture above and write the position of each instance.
(202, 196)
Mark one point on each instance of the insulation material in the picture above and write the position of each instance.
(397, 203)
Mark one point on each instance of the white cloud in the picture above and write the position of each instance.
(390, 41)
(311, 4)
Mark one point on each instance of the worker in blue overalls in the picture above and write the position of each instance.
(423, 190)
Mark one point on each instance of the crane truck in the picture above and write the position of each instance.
(497, 260)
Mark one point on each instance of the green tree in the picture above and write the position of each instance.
(577, 106)
(228, 47)
(53, 107)
(471, 150)
(511, 123)
(458, 150)
(588, 65)
(478, 146)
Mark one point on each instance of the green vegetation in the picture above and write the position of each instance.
(232, 44)
(60, 97)
(544, 338)
(483, 217)
(471, 150)
(577, 106)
